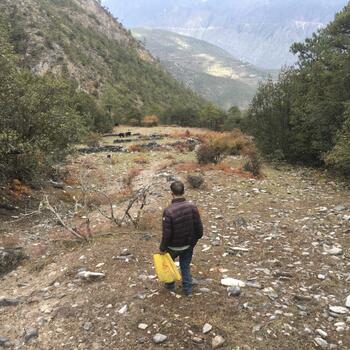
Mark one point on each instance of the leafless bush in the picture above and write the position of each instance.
(195, 180)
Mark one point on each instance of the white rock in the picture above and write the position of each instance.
(207, 328)
(123, 310)
(322, 333)
(232, 282)
(142, 326)
(338, 309)
(88, 275)
(217, 342)
(333, 250)
(347, 301)
(321, 343)
(321, 277)
(159, 338)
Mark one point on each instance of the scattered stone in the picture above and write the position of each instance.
(322, 333)
(197, 340)
(234, 291)
(87, 326)
(232, 282)
(321, 343)
(340, 208)
(217, 342)
(10, 258)
(207, 328)
(240, 222)
(30, 333)
(270, 292)
(90, 276)
(123, 310)
(347, 301)
(5, 342)
(238, 249)
(9, 302)
(101, 149)
(333, 250)
(338, 309)
(253, 284)
(159, 338)
(142, 326)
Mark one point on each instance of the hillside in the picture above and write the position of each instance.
(81, 40)
(203, 67)
(257, 31)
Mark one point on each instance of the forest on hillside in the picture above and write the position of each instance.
(304, 117)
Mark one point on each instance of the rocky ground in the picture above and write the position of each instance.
(272, 271)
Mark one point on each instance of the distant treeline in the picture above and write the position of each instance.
(305, 115)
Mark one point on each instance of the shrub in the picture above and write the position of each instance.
(195, 180)
(208, 153)
(93, 139)
(253, 165)
(131, 174)
(150, 121)
(134, 122)
(141, 160)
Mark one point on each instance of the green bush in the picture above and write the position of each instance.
(303, 117)
(41, 118)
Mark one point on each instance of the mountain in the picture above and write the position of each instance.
(203, 67)
(81, 40)
(257, 31)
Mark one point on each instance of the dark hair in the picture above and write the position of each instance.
(178, 188)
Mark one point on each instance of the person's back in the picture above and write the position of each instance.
(182, 228)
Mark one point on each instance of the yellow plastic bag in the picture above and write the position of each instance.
(166, 269)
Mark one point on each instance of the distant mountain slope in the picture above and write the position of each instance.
(257, 31)
(81, 40)
(205, 68)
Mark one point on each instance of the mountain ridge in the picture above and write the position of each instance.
(258, 31)
(207, 69)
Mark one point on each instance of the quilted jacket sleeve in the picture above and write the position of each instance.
(198, 226)
(167, 231)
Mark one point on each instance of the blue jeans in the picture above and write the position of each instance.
(185, 257)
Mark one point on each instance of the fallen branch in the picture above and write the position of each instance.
(74, 231)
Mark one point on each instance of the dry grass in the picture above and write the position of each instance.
(141, 160)
(19, 189)
(166, 164)
(149, 221)
(135, 148)
(9, 241)
(130, 176)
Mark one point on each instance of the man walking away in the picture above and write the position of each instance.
(182, 228)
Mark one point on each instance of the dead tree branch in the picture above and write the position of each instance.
(139, 196)
(74, 231)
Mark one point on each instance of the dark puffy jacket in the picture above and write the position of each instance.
(182, 225)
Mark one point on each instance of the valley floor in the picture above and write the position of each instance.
(286, 235)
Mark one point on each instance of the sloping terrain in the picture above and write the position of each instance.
(285, 235)
(257, 31)
(203, 67)
(81, 40)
